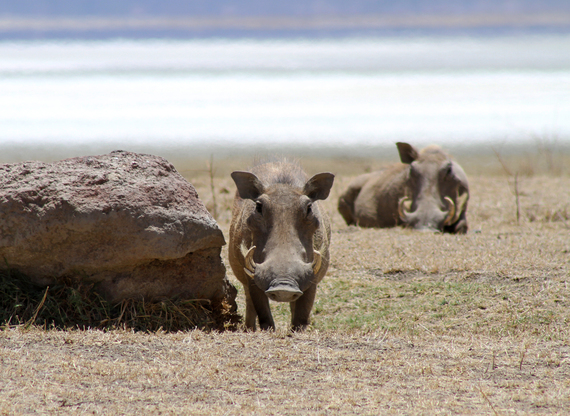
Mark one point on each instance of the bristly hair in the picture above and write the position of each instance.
(263, 159)
(282, 170)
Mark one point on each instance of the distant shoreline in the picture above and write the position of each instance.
(76, 26)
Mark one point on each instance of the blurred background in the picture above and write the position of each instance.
(318, 78)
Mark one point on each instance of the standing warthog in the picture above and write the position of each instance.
(279, 239)
(427, 191)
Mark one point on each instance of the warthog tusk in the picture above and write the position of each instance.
(402, 209)
(450, 217)
(249, 274)
(250, 265)
(460, 206)
(317, 261)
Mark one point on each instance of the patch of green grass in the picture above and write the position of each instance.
(428, 304)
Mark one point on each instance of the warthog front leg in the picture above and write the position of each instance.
(260, 305)
(250, 314)
(301, 309)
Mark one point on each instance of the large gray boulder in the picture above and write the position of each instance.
(128, 221)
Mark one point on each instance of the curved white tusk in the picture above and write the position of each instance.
(450, 217)
(402, 213)
(317, 261)
(460, 205)
(248, 272)
(250, 265)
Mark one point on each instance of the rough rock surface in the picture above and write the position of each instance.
(127, 221)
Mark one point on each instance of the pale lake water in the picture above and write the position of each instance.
(319, 96)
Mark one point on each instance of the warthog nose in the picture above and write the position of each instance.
(283, 294)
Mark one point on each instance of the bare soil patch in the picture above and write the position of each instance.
(404, 322)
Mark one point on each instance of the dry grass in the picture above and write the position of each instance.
(272, 373)
(72, 304)
(404, 322)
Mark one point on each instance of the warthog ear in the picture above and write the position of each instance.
(319, 186)
(248, 186)
(408, 153)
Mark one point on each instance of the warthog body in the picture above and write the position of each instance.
(279, 239)
(427, 191)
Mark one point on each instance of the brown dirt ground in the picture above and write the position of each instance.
(405, 323)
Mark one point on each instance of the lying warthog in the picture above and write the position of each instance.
(279, 239)
(427, 191)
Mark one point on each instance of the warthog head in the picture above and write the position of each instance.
(436, 191)
(283, 220)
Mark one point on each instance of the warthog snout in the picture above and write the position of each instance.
(283, 293)
(429, 216)
(250, 264)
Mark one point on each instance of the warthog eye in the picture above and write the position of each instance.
(309, 209)
(259, 207)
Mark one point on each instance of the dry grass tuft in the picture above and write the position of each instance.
(73, 304)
